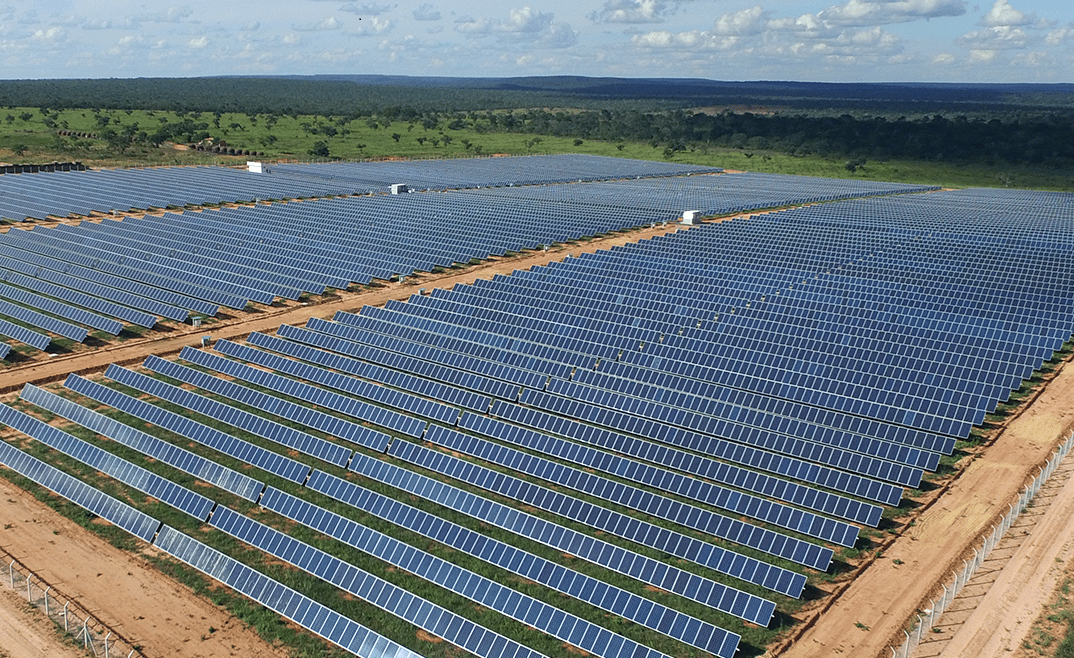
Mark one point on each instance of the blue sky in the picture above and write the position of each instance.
(850, 41)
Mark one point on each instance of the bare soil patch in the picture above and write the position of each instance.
(118, 587)
(868, 614)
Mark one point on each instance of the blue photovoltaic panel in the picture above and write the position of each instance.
(257, 425)
(344, 404)
(565, 580)
(707, 444)
(22, 334)
(380, 394)
(270, 404)
(530, 611)
(78, 492)
(4, 349)
(426, 373)
(602, 519)
(149, 483)
(18, 276)
(459, 368)
(279, 598)
(172, 455)
(719, 471)
(733, 530)
(737, 502)
(714, 595)
(46, 322)
(427, 616)
(408, 383)
(54, 307)
(244, 451)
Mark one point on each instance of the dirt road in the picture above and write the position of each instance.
(871, 613)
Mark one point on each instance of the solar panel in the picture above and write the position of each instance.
(427, 616)
(158, 449)
(114, 511)
(287, 436)
(279, 598)
(333, 425)
(149, 483)
(244, 451)
(561, 625)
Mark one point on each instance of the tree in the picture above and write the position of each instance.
(396, 136)
(320, 150)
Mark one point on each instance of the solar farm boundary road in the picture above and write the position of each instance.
(886, 595)
(240, 324)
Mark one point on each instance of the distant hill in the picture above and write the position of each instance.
(349, 94)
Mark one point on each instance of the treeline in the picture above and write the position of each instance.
(982, 124)
(1045, 139)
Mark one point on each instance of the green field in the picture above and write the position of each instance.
(126, 138)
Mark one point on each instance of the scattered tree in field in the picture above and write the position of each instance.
(396, 137)
(320, 150)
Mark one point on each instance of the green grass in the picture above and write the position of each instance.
(293, 138)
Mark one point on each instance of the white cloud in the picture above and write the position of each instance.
(746, 22)
(198, 42)
(426, 12)
(944, 59)
(50, 34)
(997, 38)
(328, 24)
(524, 20)
(869, 13)
(366, 9)
(1003, 14)
(630, 12)
(373, 26)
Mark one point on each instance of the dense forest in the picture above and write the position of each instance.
(985, 125)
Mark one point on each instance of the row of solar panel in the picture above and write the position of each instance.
(718, 427)
(689, 630)
(565, 580)
(724, 450)
(597, 551)
(484, 591)
(223, 442)
(773, 513)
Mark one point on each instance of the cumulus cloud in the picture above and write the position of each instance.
(631, 12)
(426, 12)
(868, 13)
(173, 14)
(198, 43)
(366, 9)
(524, 20)
(746, 22)
(330, 23)
(997, 38)
(1003, 14)
(50, 34)
(373, 26)
(525, 25)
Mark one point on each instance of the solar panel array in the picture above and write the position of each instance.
(98, 275)
(690, 397)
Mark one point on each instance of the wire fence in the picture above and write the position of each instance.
(930, 616)
(71, 619)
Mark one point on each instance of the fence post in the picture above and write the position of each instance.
(46, 599)
(106, 643)
(65, 630)
(29, 593)
(85, 634)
